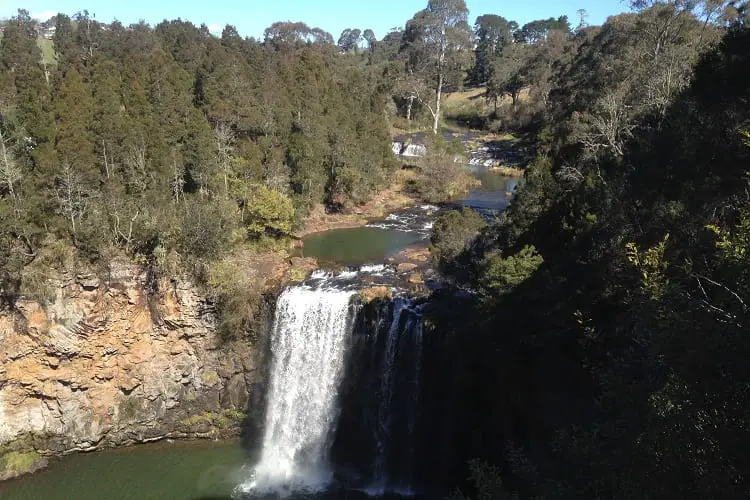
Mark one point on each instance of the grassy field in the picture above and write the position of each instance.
(48, 51)
(466, 109)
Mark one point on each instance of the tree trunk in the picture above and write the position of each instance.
(437, 102)
(106, 164)
(408, 107)
(441, 75)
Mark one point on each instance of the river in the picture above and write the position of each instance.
(384, 238)
(213, 470)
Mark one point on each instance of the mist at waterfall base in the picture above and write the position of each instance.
(347, 401)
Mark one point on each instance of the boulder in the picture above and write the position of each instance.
(406, 267)
(376, 292)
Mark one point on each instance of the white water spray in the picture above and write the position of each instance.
(308, 344)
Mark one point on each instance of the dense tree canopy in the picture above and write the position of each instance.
(143, 138)
(614, 291)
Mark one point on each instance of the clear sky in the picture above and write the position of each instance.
(251, 17)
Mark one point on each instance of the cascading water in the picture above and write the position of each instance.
(398, 401)
(382, 432)
(343, 391)
(308, 344)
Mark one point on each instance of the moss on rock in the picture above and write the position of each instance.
(17, 463)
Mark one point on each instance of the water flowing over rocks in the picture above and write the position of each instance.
(323, 349)
(114, 361)
(308, 345)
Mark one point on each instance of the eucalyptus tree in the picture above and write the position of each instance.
(437, 42)
(369, 36)
(492, 33)
(349, 39)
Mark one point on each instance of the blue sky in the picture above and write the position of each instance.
(251, 17)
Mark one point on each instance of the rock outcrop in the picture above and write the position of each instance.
(113, 361)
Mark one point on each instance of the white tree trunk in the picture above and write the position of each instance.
(437, 103)
(439, 90)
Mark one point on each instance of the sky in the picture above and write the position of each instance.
(251, 17)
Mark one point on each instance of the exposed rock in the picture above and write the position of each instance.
(416, 278)
(88, 282)
(112, 362)
(406, 267)
(127, 384)
(376, 292)
(301, 268)
(415, 253)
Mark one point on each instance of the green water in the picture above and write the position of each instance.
(180, 471)
(357, 246)
(494, 192)
(368, 245)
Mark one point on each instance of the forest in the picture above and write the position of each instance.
(610, 326)
(171, 141)
(605, 347)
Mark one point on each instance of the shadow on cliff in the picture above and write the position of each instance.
(251, 432)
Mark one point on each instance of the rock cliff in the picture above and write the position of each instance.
(113, 361)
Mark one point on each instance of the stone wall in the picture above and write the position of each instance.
(108, 363)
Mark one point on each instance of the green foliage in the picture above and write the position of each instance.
(268, 212)
(501, 275)
(734, 245)
(442, 172)
(452, 234)
(142, 139)
(238, 300)
(627, 348)
(204, 229)
(652, 265)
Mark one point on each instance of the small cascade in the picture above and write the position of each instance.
(398, 400)
(408, 150)
(418, 219)
(308, 346)
(414, 151)
(382, 432)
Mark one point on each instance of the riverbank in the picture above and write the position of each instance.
(390, 199)
(506, 171)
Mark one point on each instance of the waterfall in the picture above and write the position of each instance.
(308, 345)
(382, 433)
(398, 401)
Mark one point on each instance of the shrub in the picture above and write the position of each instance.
(238, 300)
(500, 275)
(452, 234)
(268, 212)
(443, 175)
(203, 229)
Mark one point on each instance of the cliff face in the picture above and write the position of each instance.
(107, 363)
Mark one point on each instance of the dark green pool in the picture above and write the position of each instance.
(401, 229)
(357, 246)
(180, 470)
